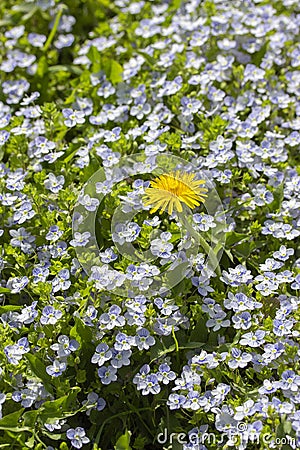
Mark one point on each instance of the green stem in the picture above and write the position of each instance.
(136, 411)
(176, 346)
(211, 254)
(54, 28)
(206, 247)
(116, 416)
(175, 339)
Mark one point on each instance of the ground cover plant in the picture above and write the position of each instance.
(150, 222)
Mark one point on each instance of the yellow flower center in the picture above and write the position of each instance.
(169, 191)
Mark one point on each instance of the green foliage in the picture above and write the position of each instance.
(123, 442)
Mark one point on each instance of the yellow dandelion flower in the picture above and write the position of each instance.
(169, 191)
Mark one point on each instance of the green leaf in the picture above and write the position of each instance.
(42, 67)
(174, 5)
(258, 56)
(39, 369)
(4, 290)
(233, 237)
(284, 429)
(30, 13)
(30, 418)
(95, 58)
(70, 68)
(244, 249)
(157, 351)
(81, 376)
(91, 169)
(11, 422)
(123, 442)
(70, 155)
(278, 197)
(81, 332)
(60, 408)
(6, 308)
(150, 60)
(199, 333)
(53, 436)
(30, 442)
(109, 5)
(189, 345)
(116, 71)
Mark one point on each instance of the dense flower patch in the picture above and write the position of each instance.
(117, 330)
